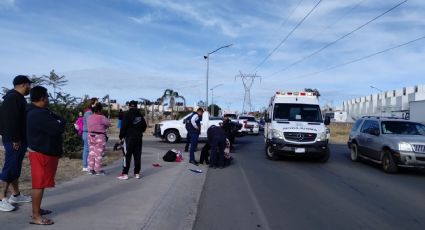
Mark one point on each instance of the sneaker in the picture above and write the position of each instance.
(85, 170)
(5, 206)
(137, 176)
(123, 177)
(91, 172)
(100, 173)
(19, 199)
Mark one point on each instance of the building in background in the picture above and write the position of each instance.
(395, 103)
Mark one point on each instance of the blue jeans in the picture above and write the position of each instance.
(85, 149)
(194, 136)
(12, 162)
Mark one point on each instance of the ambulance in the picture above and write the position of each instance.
(295, 127)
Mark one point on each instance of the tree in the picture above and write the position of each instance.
(55, 81)
(214, 109)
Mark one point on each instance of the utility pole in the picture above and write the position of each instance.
(247, 81)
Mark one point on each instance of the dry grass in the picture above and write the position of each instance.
(339, 132)
(67, 169)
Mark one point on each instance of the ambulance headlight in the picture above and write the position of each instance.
(322, 136)
(277, 134)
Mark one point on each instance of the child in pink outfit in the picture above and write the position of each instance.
(79, 124)
(97, 125)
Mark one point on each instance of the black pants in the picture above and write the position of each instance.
(218, 144)
(205, 154)
(132, 147)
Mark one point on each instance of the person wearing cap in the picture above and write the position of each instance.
(13, 131)
(131, 135)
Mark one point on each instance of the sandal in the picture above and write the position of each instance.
(42, 221)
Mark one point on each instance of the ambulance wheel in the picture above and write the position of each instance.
(270, 153)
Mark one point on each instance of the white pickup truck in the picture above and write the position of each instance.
(249, 125)
(174, 131)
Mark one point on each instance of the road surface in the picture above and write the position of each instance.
(256, 193)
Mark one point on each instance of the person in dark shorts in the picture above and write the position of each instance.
(44, 133)
(12, 129)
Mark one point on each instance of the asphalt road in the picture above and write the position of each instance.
(256, 193)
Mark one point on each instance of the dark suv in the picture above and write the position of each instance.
(391, 142)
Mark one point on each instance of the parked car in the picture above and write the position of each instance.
(388, 141)
(174, 131)
(249, 125)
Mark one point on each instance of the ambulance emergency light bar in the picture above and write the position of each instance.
(296, 93)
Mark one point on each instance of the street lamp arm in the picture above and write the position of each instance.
(212, 88)
(226, 46)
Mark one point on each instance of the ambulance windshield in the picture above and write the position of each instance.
(297, 112)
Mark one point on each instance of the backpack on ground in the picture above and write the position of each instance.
(170, 156)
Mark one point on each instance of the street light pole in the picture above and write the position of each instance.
(208, 67)
(212, 97)
(380, 90)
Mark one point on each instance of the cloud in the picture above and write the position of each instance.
(192, 12)
(6, 4)
(147, 18)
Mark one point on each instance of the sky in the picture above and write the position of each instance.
(134, 49)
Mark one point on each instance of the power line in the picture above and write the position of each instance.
(290, 14)
(339, 39)
(351, 10)
(288, 35)
(358, 59)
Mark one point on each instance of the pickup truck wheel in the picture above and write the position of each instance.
(172, 136)
(354, 152)
(388, 163)
(270, 154)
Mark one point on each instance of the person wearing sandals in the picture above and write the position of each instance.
(131, 135)
(97, 125)
(45, 142)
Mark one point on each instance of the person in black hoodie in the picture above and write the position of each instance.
(12, 129)
(131, 135)
(44, 134)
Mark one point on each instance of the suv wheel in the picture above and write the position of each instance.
(354, 152)
(271, 155)
(172, 136)
(388, 163)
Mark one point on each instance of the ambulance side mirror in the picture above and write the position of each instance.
(267, 119)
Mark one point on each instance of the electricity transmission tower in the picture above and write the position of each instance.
(247, 81)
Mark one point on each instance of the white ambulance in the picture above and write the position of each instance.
(295, 127)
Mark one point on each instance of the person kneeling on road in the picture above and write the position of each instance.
(131, 135)
(217, 141)
(44, 132)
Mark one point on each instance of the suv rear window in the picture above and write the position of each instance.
(402, 127)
